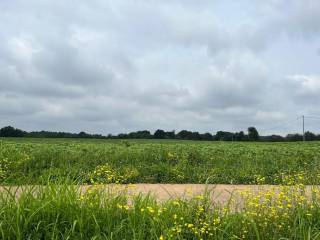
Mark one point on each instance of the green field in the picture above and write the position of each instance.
(60, 209)
(37, 161)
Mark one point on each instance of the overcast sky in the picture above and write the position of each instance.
(117, 66)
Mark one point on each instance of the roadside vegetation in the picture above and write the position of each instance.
(67, 212)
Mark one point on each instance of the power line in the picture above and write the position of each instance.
(303, 118)
(303, 124)
(312, 117)
(282, 124)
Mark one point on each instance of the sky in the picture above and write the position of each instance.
(105, 66)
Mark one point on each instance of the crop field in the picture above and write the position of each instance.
(55, 206)
(36, 161)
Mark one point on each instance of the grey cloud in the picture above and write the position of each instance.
(13, 106)
(112, 66)
(304, 88)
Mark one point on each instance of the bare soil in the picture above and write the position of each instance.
(219, 193)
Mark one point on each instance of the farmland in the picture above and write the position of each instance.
(38, 161)
(56, 206)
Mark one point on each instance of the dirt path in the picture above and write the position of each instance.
(219, 193)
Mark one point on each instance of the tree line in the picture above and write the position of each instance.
(251, 135)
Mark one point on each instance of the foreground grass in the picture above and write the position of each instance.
(36, 161)
(66, 212)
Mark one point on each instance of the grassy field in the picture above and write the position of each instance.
(36, 161)
(61, 210)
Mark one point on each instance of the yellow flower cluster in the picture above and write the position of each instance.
(105, 174)
(260, 179)
(202, 225)
(275, 207)
(124, 207)
(3, 168)
(291, 179)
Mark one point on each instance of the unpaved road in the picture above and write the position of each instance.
(219, 193)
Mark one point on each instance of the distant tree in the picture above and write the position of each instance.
(140, 135)
(253, 134)
(224, 136)
(273, 138)
(170, 135)
(83, 135)
(294, 137)
(195, 136)
(239, 136)
(145, 134)
(206, 136)
(11, 132)
(310, 136)
(132, 135)
(276, 138)
(60, 135)
(159, 134)
(184, 134)
(122, 136)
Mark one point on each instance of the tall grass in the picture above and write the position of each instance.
(67, 212)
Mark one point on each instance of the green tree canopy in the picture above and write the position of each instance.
(253, 134)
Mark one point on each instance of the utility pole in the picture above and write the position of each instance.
(303, 134)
